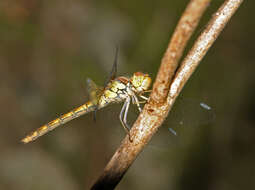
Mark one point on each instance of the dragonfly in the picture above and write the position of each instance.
(116, 90)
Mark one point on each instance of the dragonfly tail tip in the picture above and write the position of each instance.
(25, 140)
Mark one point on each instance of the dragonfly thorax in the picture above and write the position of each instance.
(115, 91)
(121, 88)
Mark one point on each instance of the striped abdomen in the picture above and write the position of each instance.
(85, 108)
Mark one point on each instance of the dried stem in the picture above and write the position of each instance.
(162, 99)
(181, 35)
(202, 45)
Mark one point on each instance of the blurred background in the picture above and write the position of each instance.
(49, 48)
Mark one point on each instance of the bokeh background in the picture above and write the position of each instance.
(49, 48)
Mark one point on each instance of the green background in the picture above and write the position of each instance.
(49, 48)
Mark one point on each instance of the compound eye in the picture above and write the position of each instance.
(146, 83)
(141, 81)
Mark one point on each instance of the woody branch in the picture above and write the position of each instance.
(168, 84)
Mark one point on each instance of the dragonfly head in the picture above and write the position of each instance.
(141, 81)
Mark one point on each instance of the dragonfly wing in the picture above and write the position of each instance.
(187, 115)
(94, 91)
(113, 73)
(189, 112)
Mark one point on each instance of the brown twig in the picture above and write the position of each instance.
(155, 112)
(202, 45)
(181, 35)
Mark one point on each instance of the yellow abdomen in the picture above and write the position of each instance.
(85, 108)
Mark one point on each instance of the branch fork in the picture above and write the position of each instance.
(168, 84)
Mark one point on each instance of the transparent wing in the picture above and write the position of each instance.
(190, 113)
(113, 73)
(94, 91)
(187, 115)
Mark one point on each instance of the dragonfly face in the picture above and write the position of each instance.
(141, 82)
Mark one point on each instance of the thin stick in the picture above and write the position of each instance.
(202, 45)
(183, 31)
(155, 112)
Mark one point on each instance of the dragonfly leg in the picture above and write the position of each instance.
(126, 112)
(142, 102)
(144, 97)
(122, 111)
(123, 116)
(133, 99)
(147, 91)
(137, 103)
